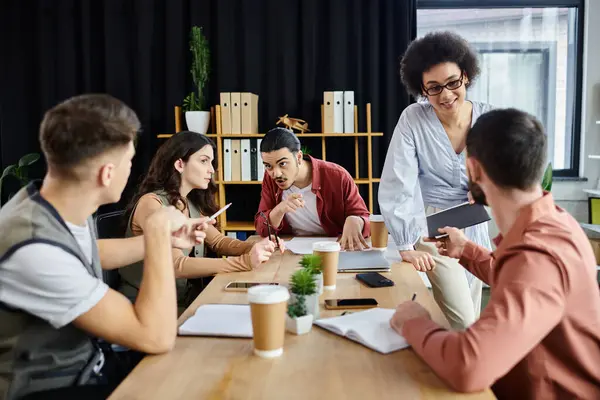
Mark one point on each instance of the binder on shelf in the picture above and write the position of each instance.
(349, 112)
(253, 160)
(226, 113)
(232, 235)
(259, 163)
(236, 160)
(338, 112)
(242, 235)
(236, 113)
(328, 112)
(249, 105)
(227, 160)
(246, 162)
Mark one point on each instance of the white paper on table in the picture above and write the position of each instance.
(230, 320)
(304, 245)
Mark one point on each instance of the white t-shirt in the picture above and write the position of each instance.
(304, 221)
(50, 283)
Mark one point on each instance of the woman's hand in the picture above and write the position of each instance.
(419, 259)
(261, 252)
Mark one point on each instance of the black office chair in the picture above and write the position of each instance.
(111, 226)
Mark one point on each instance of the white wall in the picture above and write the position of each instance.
(570, 195)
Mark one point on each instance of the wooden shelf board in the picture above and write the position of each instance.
(361, 181)
(240, 182)
(338, 134)
(239, 226)
(259, 135)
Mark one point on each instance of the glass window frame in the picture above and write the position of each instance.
(575, 137)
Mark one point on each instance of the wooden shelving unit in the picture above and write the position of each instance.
(218, 136)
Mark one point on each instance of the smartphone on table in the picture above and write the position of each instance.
(239, 286)
(374, 280)
(337, 304)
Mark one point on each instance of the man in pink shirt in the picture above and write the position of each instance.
(539, 336)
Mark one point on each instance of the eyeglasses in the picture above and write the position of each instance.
(272, 231)
(437, 89)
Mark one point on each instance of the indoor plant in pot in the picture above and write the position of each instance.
(313, 263)
(547, 178)
(196, 116)
(15, 176)
(302, 283)
(298, 320)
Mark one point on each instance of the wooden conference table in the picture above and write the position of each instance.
(318, 365)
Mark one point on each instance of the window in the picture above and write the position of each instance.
(530, 58)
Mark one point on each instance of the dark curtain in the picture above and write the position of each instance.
(286, 51)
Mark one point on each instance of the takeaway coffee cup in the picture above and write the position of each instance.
(379, 232)
(268, 306)
(330, 256)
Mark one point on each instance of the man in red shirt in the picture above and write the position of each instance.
(304, 196)
(539, 336)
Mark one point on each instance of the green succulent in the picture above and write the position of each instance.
(303, 283)
(312, 263)
(298, 308)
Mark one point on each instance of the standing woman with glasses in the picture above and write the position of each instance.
(425, 169)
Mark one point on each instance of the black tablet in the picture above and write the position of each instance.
(461, 216)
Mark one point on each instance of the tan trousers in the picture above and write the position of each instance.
(460, 303)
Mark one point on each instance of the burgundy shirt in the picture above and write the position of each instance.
(337, 198)
(539, 336)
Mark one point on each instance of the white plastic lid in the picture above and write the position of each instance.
(376, 218)
(268, 294)
(326, 246)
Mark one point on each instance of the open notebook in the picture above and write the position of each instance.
(371, 328)
(232, 320)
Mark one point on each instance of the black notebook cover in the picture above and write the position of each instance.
(461, 216)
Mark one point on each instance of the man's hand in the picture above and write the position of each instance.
(290, 204)
(185, 232)
(352, 238)
(262, 251)
(405, 312)
(452, 245)
(419, 259)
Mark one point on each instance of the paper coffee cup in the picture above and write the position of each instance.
(268, 306)
(379, 232)
(330, 256)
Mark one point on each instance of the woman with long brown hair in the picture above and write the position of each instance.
(181, 174)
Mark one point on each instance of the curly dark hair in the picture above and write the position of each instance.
(433, 49)
(162, 175)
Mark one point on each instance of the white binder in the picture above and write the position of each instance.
(227, 160)
(349, 112)
(260, 165)
(338, 112)
(246, 163)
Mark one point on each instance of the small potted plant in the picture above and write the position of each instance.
(196, 116)
(15, 176)
(298, 321)
(547, 178)
(302, 283)
(313, 263)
